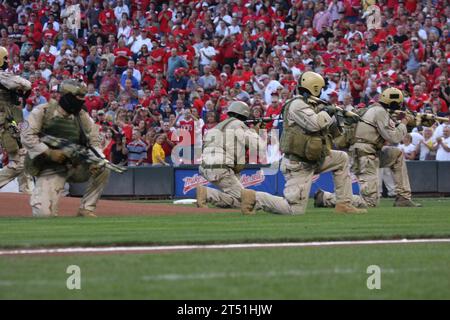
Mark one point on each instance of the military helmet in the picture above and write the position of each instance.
(239, 107)
(391, 96)
(73, 86)
(311, 81)
(3, 55)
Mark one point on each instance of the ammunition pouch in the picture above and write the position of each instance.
(377, 144)
(346, 139)
(35, 166)
(8, 142)
(307, 147)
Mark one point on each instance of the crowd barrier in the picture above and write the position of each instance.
(426, 177)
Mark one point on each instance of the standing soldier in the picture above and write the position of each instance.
(11, 88)
(370, 153)
(223, 157)
(306, 142)
(65, 119)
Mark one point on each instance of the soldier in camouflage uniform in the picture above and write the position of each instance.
(67, 119)
(305, 142)
(223, 158)
(11, 88)
(370, 153)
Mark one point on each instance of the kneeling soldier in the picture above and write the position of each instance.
(370, 153)
(307, 131)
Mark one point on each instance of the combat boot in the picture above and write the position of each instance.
(347, 208)
(403, 202)
(86, 213)
(248, 201)
(201, 197)
(318, 199)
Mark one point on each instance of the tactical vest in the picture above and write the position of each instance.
(378, 142)
(296, 143)
(221, 126)
(60, 127)
(10, 115)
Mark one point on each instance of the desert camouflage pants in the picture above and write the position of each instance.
(50, 186)
(229, 195)
(368, 177)
(15, 169)
(299, 175)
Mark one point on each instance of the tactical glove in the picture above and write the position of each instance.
(56, 155)
(330, 109)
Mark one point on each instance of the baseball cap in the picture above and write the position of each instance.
(414, 39)
(361, 105)
(100, 112)
(193, 72)
(333, 94)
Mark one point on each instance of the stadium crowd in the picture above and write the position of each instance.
(163, 73)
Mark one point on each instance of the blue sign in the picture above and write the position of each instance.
(186, 180)
(323, 181)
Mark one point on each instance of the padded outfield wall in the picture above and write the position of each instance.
(426, 177)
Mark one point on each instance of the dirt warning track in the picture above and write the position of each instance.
(18, 205)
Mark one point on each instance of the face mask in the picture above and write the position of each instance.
(71, 103)
(5, 65)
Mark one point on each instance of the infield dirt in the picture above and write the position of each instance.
(18, 205)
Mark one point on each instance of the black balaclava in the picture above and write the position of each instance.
(71, 104)
(392, 106)
(4, 65)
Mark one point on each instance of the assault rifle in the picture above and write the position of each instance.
(420, 117)
(341, 113)
(262, 120)
(78, 154)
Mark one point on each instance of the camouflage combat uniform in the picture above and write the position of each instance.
(306, 120)
(222, 160)
(52, 120)
(10, 109)
(370, 154)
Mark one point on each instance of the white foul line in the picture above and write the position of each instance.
(125, 249)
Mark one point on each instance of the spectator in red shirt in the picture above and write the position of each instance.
(122, 54)
(418, 99)
(356, 86)
(274, 109)
(440, 106)
(164, 17)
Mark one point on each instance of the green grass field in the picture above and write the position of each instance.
(408, 271)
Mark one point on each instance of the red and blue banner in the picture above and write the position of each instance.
(186, 180)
